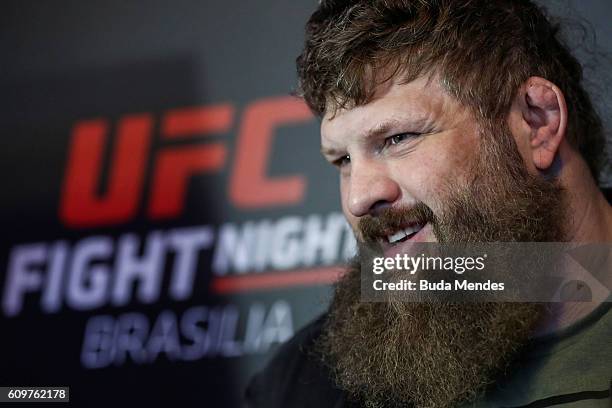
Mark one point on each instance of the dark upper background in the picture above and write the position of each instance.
(64, 61)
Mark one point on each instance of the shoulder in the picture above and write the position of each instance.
(295, 377)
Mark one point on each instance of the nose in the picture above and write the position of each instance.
(371, 188)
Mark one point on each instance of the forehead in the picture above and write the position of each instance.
(418, 101)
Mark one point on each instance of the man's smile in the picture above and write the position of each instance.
(400, 241)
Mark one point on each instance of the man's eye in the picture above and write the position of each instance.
(397, 139)
(342, 161)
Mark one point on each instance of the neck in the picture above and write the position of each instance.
(590, 221)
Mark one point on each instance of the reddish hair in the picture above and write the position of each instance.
(482, 50)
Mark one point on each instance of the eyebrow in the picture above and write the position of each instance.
(381, 128)
(375, 131)
(330, 151)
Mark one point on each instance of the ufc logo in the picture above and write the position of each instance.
(249, 186)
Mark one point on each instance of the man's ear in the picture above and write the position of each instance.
(545, 112)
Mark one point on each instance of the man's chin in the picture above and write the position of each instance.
(424, 354)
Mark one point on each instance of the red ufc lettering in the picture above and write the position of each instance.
(249, 185)
(175, 166)
(84, 203)
(81, 205)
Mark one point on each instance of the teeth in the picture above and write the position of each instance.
(412, 230)
(399, 235)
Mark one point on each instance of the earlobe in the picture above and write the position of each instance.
(545, 112)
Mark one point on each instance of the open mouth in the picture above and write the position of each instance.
(404, 234)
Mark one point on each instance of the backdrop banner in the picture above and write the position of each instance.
(167, 217)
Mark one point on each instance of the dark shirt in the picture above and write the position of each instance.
(295, 377)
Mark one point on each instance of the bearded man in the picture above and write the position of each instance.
(450, 121)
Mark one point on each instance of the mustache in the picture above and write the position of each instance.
(389, 220)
